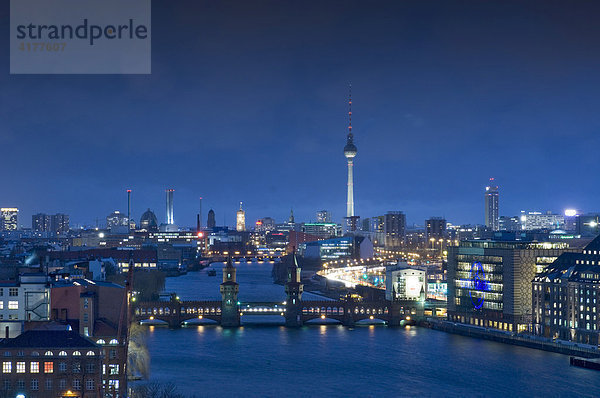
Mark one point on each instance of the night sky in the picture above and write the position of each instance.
(247, 102)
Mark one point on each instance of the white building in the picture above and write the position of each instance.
(405, 283)
(536, 220)
(27, 299)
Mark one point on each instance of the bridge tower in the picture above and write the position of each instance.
(293, 291)
(230, 315)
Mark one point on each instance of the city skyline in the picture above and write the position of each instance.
(438, 111)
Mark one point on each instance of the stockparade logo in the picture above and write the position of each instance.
(476, 285)
(80, 36)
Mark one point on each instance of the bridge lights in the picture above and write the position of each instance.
(199, 316)
(322, 316)
(408, 318)
(151, 318)
(371, 317)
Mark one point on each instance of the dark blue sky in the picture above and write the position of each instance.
(247, 102)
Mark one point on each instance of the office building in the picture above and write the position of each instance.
(492, 206)
(117, 221)
(240, 220)
(507, 223)
(435, 228)
(588, 224)
(536, 220)
(322, 230)
(266, 224)
(566, 297)
(9, 219)
(489, 282)
(211, 221)
(394, 224)
(323, 216)
(336, 248)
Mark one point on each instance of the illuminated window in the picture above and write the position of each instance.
(20, 367)
(90, 353)
(48, 367)
(101, 341)
(113, 369)
(13, 305)
(6, 367)
(34, 367)
(113, 341)
(49, 353)
(76, 353)
(62, 354)
(1, 305)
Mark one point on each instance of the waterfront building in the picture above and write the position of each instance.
(405, 283)
(536, 220)
(323, 216)
(148, 221)
(435, 228)
(566, 297)
(240, 219)
(9, 219)
(394, 225)
(489, 282)
(142, 258)
(51, 363)
(492, 206)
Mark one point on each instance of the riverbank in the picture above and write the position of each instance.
(529, 341)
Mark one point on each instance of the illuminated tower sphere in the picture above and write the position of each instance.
(240, 224)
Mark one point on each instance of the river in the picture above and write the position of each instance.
(260, 360)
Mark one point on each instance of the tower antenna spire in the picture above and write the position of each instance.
(350, 109)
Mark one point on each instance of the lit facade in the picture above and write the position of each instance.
(26, 299)
(535, 220)
(9, 218)
(492, 207)
(240, 220)
(405, 283)
(394, 225)
(489, 282)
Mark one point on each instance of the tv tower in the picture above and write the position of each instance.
(350, 152)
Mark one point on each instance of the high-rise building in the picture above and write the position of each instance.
(170, 211)
(240, 220)
(350, 152)
(491, 206)
(324, 216)
(435, 227)
(265, 225)
(60, 223)
(507, 223)
(211, 221)
(322, 229)
(9, 220)
(41, 222)
(394, 226)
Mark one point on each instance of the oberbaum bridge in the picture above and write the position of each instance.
(229, 310)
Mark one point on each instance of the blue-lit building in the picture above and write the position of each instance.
(333, 249)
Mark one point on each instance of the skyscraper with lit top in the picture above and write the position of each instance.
(491, 206)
